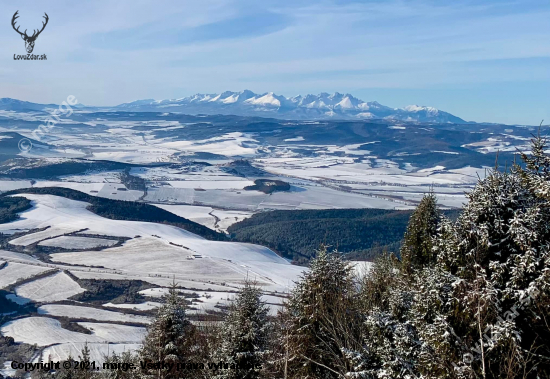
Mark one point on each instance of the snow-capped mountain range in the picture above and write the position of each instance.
(322, 106)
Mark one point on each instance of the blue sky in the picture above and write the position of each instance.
(481, 60)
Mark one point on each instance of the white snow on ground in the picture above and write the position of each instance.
(326, 198)
(492, 145)
(198, 214)
(432, 169)
(10, 185)
(154, 292)
(14, 272)
(210, 300)
(78, 312)
(45, 331)
(51, 288)
(53, 210)
(162, 253)
(345, 170)
(99, 177)
(296, 139)
(228, 218)
(119, 192)
(115, 191)
(7, 371)
(153, 253)
(475, 173)
(347, 149)
(230, 144)
(73, 242)
(159, 280)
(89, 188)
(115, 333)
(153, 256)
(196, 174)
(361, 268)
(212, 218)
(146, 306)
(445, 200)
(211, 184)
(9, 256)
(446, 152)
(53, 231)
(98, 350)
(307, 197)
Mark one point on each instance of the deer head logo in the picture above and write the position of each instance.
(29, 40)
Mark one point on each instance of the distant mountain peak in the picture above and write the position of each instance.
(269, 104)
(321, 106)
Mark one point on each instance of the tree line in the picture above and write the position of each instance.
(362, 234)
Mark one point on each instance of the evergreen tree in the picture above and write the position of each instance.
(321, 320)
(169, 338)
(244, 336)
(489, 301)
(389, 340)
(417, 251)
(84, 369)
(116, 366)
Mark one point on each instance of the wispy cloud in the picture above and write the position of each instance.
(403, 51)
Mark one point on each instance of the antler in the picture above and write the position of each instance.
(15, 17)
(36, 34)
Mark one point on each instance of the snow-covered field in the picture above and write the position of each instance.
(78, 312)
(98, 350)
(52, 231)
(146, 306)
(62, 343)
(212, 218)
(14, 272)
(42, 331)
(75, 242)
(48, 289)
(115, 333)
(155, 253)
(218, 262)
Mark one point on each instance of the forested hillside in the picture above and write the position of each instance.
(362, 233)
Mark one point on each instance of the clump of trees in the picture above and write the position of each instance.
(11, 206)
(268, 186)
(468, 299)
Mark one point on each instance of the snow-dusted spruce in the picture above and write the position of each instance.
(391, 344)
(321, 321)
(390, 341)
(243, 339)
(170, 340)
(470, 299)
(117, 366)
(490, 309)
(80, 368)
(417, 250)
